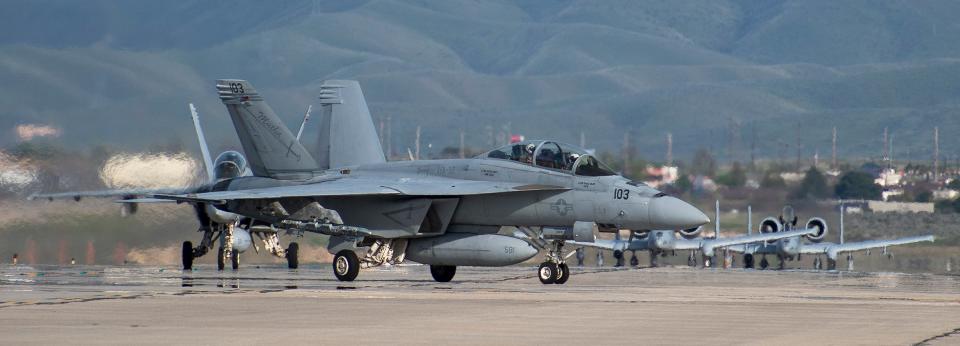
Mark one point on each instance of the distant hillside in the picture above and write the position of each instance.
(121, 72)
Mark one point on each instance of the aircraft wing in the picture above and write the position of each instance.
(124, 194)
(605, 244)
(833, 249)
(755, 238)
(349, 186)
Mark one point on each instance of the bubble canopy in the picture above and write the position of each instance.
(552, 155)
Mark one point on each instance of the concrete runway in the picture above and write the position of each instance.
(402, 305)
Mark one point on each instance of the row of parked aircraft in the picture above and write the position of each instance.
(442, 213)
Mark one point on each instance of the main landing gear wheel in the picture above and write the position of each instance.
(748, 261)
(547, 273)
(235, 259)
(764, 263)
(564, 274)
(443, 273)
(292, 260)
(346, 265)
(187, 256)
(634, 261)
(220, 259)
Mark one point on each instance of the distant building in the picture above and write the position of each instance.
(661, 175)
(900, 207)
(945, 194)
(889, 177)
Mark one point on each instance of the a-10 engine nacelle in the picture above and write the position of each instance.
(770, 225)
(691, 233)
(468, 249)
(821, 227)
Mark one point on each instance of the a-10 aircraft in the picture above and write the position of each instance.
(793, 247)
(660, 242)
(444, 213)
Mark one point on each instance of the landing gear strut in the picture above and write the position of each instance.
(634, 261)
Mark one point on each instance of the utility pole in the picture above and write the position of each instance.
(833, 160)
(463, 149)
(753, 146)
(936, 153)
(669, 149)
(389, 137)
(626, 153)
(799, 148)
(416, 155)
(886, 147)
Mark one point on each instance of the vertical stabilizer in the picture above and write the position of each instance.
(271, 149)
(204, 150)
(347, 133)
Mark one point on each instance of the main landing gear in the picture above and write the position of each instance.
(226, 253)
(346, 265)
(748, 261)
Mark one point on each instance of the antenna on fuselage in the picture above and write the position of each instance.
(306, 116)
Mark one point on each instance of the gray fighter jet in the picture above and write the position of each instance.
(661, 242)
(793, 247)
(443, 213)
(213, 222)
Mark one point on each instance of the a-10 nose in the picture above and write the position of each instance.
(672, 213)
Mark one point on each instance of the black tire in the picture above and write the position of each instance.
(293, 251)
(235, 259)
(764, 263)
(634, 261)
(748, 261)
(220, 259)
(547, 273)
(346, 265)
(564, 274)
(443, 273)
(186, 256)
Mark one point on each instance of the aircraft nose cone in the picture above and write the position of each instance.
(671, 213)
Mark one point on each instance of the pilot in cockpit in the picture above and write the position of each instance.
(571, 159)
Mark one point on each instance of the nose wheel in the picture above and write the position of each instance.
(548, 273)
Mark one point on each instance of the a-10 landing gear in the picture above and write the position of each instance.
(748, 261)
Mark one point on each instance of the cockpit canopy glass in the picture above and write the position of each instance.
(552, 155)
(230, 164)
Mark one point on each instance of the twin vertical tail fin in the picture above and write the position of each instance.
(204, 150)
(270, 148)
(347, 135)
